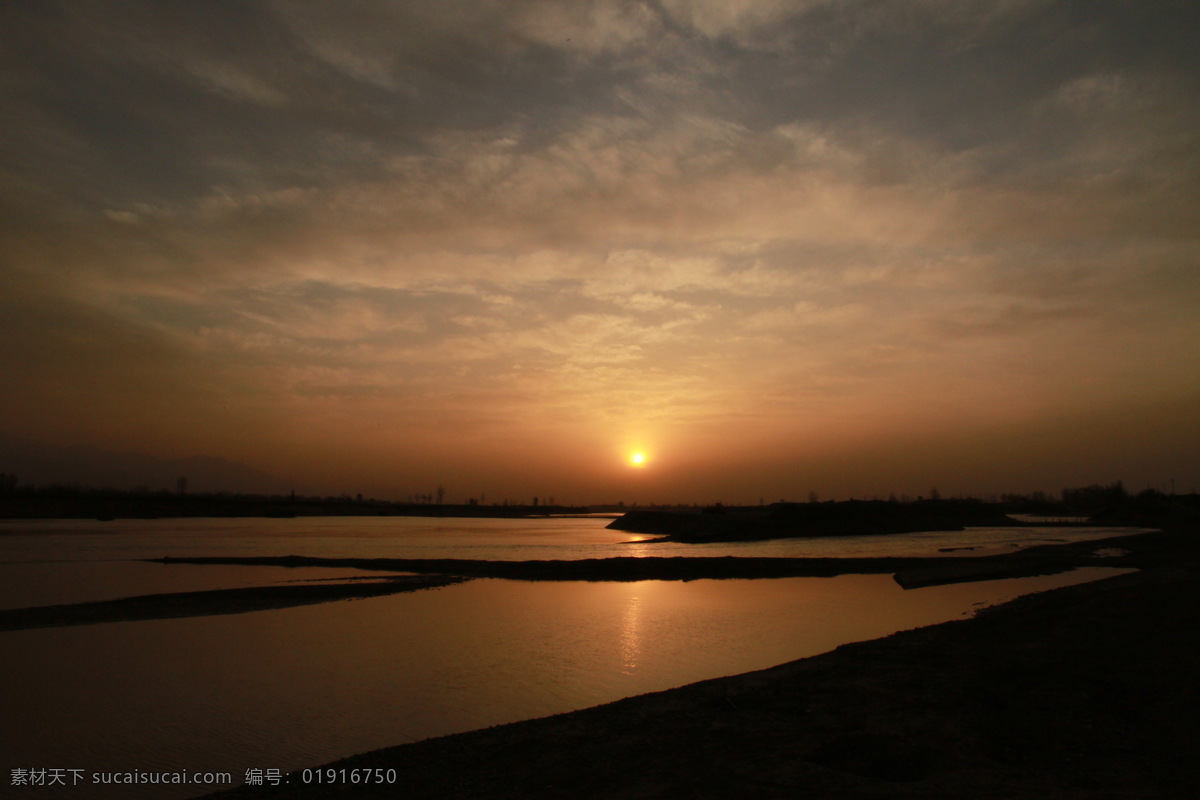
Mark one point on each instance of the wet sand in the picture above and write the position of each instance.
(1083, 692)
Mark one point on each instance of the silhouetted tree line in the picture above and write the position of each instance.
(1107, 504)
(1095, 497)
(933, 511)
(75, 501)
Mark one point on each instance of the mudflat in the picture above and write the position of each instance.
(214, 601)
(1083, 692)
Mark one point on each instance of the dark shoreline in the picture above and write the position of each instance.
(1082, 692)
(174, 605)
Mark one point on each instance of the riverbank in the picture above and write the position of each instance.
(1087, 691)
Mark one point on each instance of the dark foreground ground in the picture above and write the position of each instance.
(1084, 692)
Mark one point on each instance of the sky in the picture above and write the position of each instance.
(843, 247)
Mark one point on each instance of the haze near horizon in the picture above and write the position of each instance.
(769, 247)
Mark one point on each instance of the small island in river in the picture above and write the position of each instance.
(808, 520)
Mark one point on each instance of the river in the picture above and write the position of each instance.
(293, 688)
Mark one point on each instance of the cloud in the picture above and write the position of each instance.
(509, 215)
(591, 28)
(743, 21)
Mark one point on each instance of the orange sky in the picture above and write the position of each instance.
(777, 247)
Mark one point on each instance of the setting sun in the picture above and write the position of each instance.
(637, 459)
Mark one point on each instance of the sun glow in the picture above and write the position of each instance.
(637, 459)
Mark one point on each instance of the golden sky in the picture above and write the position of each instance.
(777, 247)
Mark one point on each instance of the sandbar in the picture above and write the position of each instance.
(909, 571)
(215, 601)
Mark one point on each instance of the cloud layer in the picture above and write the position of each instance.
(492, 245)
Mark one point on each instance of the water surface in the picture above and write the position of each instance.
(291, 688)
(45, 562)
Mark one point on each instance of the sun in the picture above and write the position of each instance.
(637, 459)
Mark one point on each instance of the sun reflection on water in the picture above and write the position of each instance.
(631, 635)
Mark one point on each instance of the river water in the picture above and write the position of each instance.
(292, 688)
